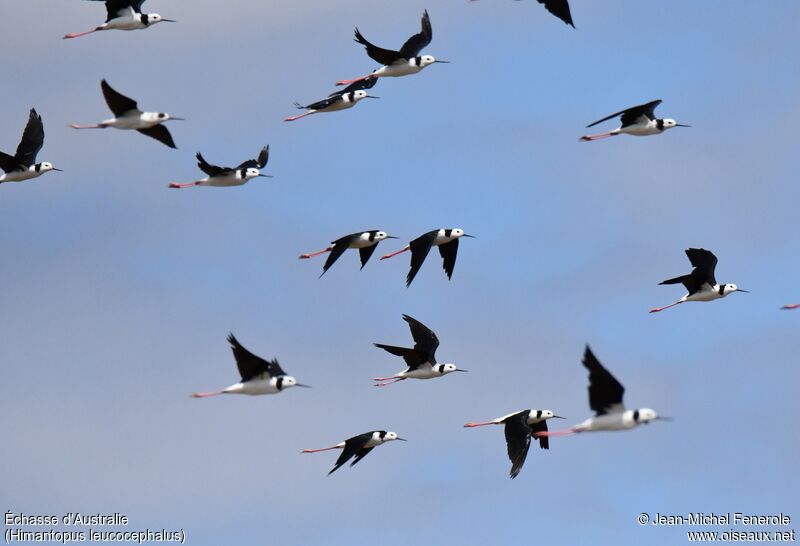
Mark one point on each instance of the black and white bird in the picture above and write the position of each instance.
(399, 63)
(22, 165)
(338, 100)
(229, 176)
(559, 8)
(124, 15)
(520, 428)
(637, 121)
(358, 446)
(128, 116)
(421, 360)
(447, 241)
(605, 399)
(700, 283)
(259, 376)
(365, 241)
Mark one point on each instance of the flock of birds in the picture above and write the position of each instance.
(259, 376)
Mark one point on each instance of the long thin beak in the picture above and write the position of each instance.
(740, 290)
(302, 385)
(169, 20)
(662, 418)
(177, 119)
(371, 97)
(59, 170)
(444, 62)
(401, 439)
(681, 125)
(460, 370)
(470, 236)
(558, 417)
(392, 237)
(266, 175)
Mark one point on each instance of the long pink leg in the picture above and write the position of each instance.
(206, 394)
(551, 433)
(659, 309)
(76, 126)
(300, 116)
(312, 254)
(791, 306)
(348, 82)
(470, 425)
(337, 446)
(588, 138)
(79, 34)
(389, 381)
(187, 185)
(396, 253)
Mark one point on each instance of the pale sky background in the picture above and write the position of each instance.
(119, 293)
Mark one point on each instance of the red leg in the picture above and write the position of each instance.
(189, 185)
(588, 138)
(389, 381)
(79, 34)
(348, 82)
(470, 425)
(396, 253)
(311, 255)
(337, 446)
(659, 309)
(791, 306)
(300, 116)
(552, 433)
(205, 394)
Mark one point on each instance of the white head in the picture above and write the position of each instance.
(251, 172)
(45, 167)
(455, 233)
(547, 414)
(389, 436)
(445, 369)
(381, 235)
(670, 123)
(153, 18)
(286, 381)
(730, 289)
(645, 415)
(427, 60)
(161, 117)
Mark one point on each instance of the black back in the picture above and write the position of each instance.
(632, 115)
(605, 392)
(353, 447)
(336, 96)
(117, 103)
(410, 49)
(116, 8)
(160, 133)
(250, 365)
(420, 247)
(705, 263)
(448, 252)
(209, 169)
(29, 146)
(559, 8)
(260, 163)
(425, 345)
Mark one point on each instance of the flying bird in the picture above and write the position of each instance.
(605, 399)
(338, 100)
(421, 360)
(637, 121)
(259, 376)
(124, 15)
(365, 241)
(229, 176)
(520, 428)
(445, 239)
(700, 283)
(128, 116)
(22, 165)
(559, 8)
(399, 63)
(358, 446)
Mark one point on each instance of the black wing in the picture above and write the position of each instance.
(412, 357)
(250, 365)
(518, 440)
(160, 133)
(630, 116)
(365, 253)
(425, 339)
(116, 8)
(418, 41)
(448, 252)
(559, 8)
(339, 246)
(260, 163)
(378, 54)
(361, 453)
(208, 168)
(605, 392)
(541, 426)
(704, 263)
(32, 140)
(117, 103)
(9, 163)
(360, 85)
(419, 251)
(351, 447)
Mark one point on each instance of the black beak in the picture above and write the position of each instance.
(266, 175)
(302, 385)
(558, 417)
(59, 170)
(740, 290)
(460, 370)
(660, 418)
(178, 119)
(470, 236)
(392, 237)
(401, 439)
(443, 62)
(169, 20)
(371, 97)
(681, 125)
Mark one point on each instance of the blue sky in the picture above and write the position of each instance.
(119, 293)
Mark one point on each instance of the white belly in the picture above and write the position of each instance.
(254, 387)
(423, 372)
(124, 23)
(128, 122)
(614, 421)
(641, 130)
(19, 176)
(396, 70)
(223, 181)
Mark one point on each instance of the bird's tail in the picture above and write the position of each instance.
(677, 280)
